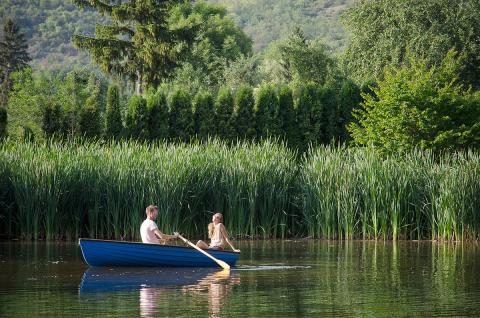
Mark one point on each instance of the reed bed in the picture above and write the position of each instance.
(359, 193)
(67, 190)
(101, 190)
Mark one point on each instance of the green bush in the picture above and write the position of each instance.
(420, 106)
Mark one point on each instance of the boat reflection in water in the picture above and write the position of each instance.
(154, 283)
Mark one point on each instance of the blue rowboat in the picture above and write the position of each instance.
(119, 253)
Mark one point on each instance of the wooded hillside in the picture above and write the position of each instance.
(50, 24)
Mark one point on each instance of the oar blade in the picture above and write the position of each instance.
(219, 262)
(223, 264)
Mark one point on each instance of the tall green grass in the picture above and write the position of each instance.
(101, 190)
(358, 193)
(66, 190)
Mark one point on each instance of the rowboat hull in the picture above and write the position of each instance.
(118, 253)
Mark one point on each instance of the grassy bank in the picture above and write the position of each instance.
(57, 191)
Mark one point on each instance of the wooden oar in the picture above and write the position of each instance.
(219, 262)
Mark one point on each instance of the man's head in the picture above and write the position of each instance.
(152, 212)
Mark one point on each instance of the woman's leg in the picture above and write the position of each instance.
(202, 245)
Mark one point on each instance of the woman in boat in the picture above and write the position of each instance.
(149, 231)
(217, 234)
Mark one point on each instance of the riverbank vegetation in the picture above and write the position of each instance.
(65, 190)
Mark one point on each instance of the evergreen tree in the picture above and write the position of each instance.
(329, 117)
(267, 119)
(137, 118)
(223, 114)
(157, 115)
(90, 122)
(203, 112)
(139, 44)
(288, 116)
(309, 114)
(243, 112)
(3, 122)
(13, 57)
(180, 116)
(350, 98)
(113, 116)
(52, 122)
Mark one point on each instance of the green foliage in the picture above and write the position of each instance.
(136, 123)
(349, 98)
(90, 126)
(157, 116)
(73, 90)
(13, 49)
(181, 125)
(329, 116)
(243, 71)
(223, 114)
(13, 57)
(28, 98)
(298, 60)
(129, 45)
(267, 120)
(418, 106)
(204, 115)
(243, 113)
(219, 42)
(52, 123)
(383, 31)
(309, 116)
(113, 115)
(3, 122)
(287, 115)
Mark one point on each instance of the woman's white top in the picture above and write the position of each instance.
(218, 239)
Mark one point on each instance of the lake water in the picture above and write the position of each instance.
(272, 279)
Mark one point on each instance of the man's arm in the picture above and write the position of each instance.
(162, 236)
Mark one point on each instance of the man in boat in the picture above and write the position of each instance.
(149, 229)
(218, 235)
